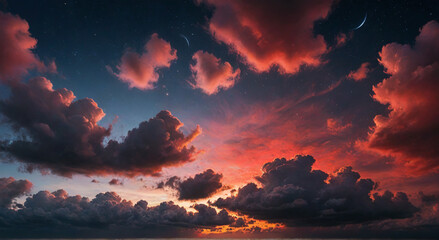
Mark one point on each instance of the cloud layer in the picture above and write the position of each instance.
(202, 185)
(57, 214)
(210, 74)
(271, 34)
(63, 135)
(16, 44)
(411, 130)
(140, 70)
(294, 194)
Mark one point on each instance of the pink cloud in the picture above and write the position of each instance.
(210, 74)
(16, 44)
(140, 70)
(271, 33)
(360, 73)
(410, 131)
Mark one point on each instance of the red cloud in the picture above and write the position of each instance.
(16, 44)
(140, 71)
(360, 73)
(411, 130)
(271, 33)
(210, 75)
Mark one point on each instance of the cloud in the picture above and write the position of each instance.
(268, 34)
(411, 130)
(63, 135)
(211, 75)
(294, 194)
(57, 214)
(11, 189)
(16, 44)
(203, 185)
(360, 73)
(115, 181)
(140, 70)
(336, 126)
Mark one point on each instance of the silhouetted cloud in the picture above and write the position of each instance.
(65, 138)
(57, 214)
(210, 74)
(271, 33)
(294, 194)
(411, 130)
(11, 188)
(202, 185)
(140, 71)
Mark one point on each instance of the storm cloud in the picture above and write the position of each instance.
(48, 214)
(296, 195)
(63, 135)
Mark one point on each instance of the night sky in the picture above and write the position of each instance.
(219, 118)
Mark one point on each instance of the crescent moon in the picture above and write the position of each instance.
(185, 38)
(362, 23)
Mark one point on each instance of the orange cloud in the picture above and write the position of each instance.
(140, 70)
(360, 73)
(271, 33)
(16, 44)
(411, 130)
(210, 74)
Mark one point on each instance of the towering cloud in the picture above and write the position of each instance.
(411, 129)
(210, 74)
(11, 188)
(271, 33)
(57, 214)
(16, 44)
(294, 194)
(64, 135)
(140, 70)
(203, 185)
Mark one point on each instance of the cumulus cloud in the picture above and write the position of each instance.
(11, 189)
(202, 185)
(360, 73)
(272, 33)
(411, 130)
(63, 135)
(140, 70)
(210, 74)
(48, 214)
(16, 44)
(296, 195)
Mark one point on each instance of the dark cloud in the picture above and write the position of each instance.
(202, 185)
(410, 132)
(63, 135)
(11, 188)
(115, 181)
(48, 214)
(295, 194)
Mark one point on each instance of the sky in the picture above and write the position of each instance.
(212, 118)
